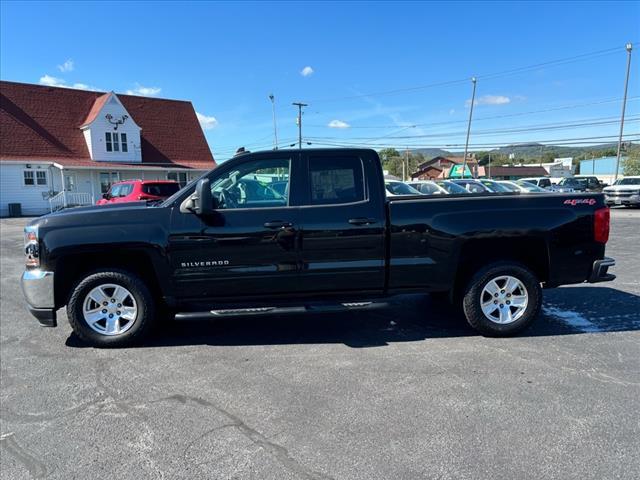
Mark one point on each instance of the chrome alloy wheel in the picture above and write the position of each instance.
(504, 299)
(110, 309)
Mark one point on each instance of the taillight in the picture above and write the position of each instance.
(31, 247)
(601, 223)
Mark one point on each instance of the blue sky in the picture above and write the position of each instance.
(342, 58)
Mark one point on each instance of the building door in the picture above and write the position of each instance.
(70, 182)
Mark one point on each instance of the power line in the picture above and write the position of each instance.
(524, 128)
(548, 142)
(487, 76)
(494, 117)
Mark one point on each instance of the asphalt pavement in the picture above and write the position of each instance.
(403, 393)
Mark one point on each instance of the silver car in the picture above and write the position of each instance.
(625, 191)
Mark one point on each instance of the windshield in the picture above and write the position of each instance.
(451, 187)
(628, 181)
(494, 186)
(510, 186)
(399, 188)
(572, 182)
(530, 187)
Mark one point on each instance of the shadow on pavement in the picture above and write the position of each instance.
(410, 318)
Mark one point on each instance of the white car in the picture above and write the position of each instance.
(546, 182)
(428, 187)
(396, 188)
(626, 191)
(522, 186)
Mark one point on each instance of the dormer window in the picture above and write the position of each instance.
(114, 141)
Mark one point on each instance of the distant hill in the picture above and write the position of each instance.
(532, 151)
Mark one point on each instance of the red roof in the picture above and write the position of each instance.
(43, 123)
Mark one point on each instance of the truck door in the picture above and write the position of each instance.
(342, 222)
(249, 247)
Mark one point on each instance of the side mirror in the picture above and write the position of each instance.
(202, 199)
(106, 196)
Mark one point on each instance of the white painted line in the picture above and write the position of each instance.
(573, 319)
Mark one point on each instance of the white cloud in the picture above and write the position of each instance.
(490, 100)
(51, 81)
(144, 91)
(207, 123)
(452, 111)
(67, 66)
(306, 71)
(338, 124)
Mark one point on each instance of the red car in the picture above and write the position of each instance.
(136, 190)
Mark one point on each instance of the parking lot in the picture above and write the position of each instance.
(407, 392)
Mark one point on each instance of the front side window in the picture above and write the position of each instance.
(253, 184)
(336, 180)
(125, 189)
(106, 179)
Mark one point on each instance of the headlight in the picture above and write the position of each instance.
(31, 247)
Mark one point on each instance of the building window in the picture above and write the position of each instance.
(34, 177)
(180, 177)
(123, 141)
(29, 177)
(107, 138)
(116, 145)
(41, 177)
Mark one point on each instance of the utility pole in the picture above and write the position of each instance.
(300, 105)
(489, 166)
(275, 126)
(466, 143)
(593, 164)
(405, 165)
(629, 47)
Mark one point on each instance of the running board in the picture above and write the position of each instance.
(311, 308)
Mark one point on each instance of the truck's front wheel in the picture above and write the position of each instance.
(502, 299)
(110, 308)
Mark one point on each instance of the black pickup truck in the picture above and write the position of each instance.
(307, 230)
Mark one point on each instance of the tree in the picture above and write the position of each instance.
(631, 164)
(387, 153)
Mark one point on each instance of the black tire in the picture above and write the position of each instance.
(144, 318)
(474, 294)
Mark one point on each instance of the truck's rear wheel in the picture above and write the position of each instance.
(502, 299)
(110, 308)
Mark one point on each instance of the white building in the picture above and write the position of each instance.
(65, 145)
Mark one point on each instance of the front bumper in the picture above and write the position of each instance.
(37, 287)
(621, 199)
(599, 271)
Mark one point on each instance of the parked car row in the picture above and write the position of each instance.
(462, 186)
(626, 191)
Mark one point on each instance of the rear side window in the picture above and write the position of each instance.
(545, 182)
(336, 180)
(160, 189)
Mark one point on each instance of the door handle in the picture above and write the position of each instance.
(362, 221)
(275, 224)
